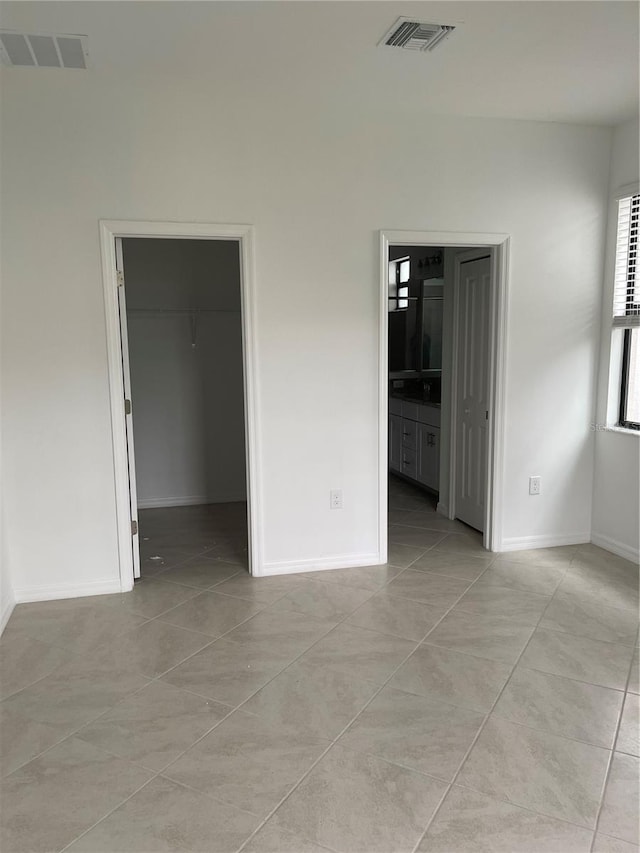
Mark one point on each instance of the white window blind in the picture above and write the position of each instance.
(626, 292)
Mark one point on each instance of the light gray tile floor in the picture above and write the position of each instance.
(453, 700)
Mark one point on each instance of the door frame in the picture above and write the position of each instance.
(244, 236)
(500, 245)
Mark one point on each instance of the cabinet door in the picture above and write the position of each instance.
(395, 442)
(429, 456)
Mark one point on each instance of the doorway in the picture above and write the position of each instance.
(442, 384)
(181, 356)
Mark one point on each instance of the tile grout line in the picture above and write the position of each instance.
(477, 737)
(158, 677)
(350, 723)
(346, 617)
(611, 756)
(233, 710)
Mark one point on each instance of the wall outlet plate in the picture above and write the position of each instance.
(335, 499)
(534, 485)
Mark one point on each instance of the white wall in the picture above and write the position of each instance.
(317, 177)
(616, 487)
(188, 409)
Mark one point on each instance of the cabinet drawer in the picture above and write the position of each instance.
(409, 463)
(429, 415)
(409, 434)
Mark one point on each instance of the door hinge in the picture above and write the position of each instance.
(134, 527)
(120, 278)
(486, 416)
(127, 407)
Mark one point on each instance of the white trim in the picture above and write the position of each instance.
(544, 540)
(616, 547)
(244, 234)
(67, 590)
(184, 500)
(500, 243)
(348, 561)
(442, 509)
(7, 610)
(626, 190)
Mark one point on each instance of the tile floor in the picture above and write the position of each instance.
(452, 700)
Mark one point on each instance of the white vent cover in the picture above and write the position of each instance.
(415, 35)
(31, 50)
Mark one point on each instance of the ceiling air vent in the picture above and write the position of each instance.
(415, 35)
(43, 51)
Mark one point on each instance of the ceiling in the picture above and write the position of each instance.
(551, 61)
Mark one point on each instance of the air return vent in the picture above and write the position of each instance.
(31, 50)
(415, 35)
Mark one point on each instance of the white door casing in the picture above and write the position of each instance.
(128, 411)
(498, 244)
(110, 230)
(472, 303)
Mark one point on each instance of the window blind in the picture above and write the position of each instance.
(626, 292)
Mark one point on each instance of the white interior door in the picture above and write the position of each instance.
(126, 376)
(472, 300)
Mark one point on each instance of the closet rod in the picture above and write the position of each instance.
(183, 310)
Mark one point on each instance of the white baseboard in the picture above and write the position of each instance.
(442, 509)
(550, 540)
(70, 590)
(185, 500)
(7, 610)
(348, 561)
(616, 547)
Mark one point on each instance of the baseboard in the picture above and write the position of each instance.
(188, 500)
(348, 561)
(7, 610)
(66, 590)
(442, 509)
(545, 540)
(616, 547)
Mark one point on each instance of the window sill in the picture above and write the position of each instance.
(624, 430)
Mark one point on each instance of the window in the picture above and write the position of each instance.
(626, 309)
(399, 274)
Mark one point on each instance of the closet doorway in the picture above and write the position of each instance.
(180, 349)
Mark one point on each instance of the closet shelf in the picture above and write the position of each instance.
(191, 313)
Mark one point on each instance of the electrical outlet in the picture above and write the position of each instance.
(335, 499)
(534, 485)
